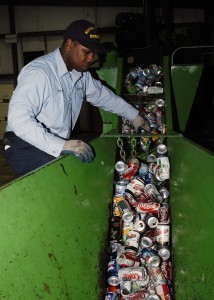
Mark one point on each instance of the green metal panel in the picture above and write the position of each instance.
(54, 229)
(192, 206)
(185, 80)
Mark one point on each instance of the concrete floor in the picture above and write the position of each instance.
(6, 174)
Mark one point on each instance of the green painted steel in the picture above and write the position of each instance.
(185, 80)
(54, 229)
(192, 206)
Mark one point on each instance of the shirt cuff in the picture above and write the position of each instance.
(55, 147)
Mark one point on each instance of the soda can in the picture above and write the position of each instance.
(163, 168)
(164, 252)
(166, 267)
(132, 274)
(156, 275)
(131, 199)
(164, 192)
(150, 257)
(161, 149)
(132, 242)
(124, 209)
(163, 234)
(126, 260)
(112, 273)
(135, 187)
(163, 214)
(151, 192)
(143, 169)
(162, 289)
(121, 167)
(160, 103)
(140, 226)
(111, 296)
(116, 212)
(113, 288)
(125, 288)
(151, 158)
(143, 198)
(115, 228)
(120, 188)
(152, 221)
(127, 225)
(115, 249)
(148, 239)
(150, 207)
(140, 285)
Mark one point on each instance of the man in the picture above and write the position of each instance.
(47, 101)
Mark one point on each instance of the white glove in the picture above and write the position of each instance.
(79, 149)
(139, 121)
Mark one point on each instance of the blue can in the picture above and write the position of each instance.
(112, 273)
(111, 296)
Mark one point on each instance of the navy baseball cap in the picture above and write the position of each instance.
(85, 33)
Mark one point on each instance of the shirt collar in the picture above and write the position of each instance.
(61, 66)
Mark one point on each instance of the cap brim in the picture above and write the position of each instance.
(93, 46)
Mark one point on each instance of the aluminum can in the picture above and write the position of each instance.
(120, 188)
(121, 167)
(162, 289)
(161, 149)
(124, 209)
(131, 199)
(166, 267)
(150, 257)
(135, 187)
(112, 273)
(113, 288)
(115, 249)
(152, 221)
(163, 168)
(151, 192)
(116, 212)
(126, 260)
(143, 169)
(137, 296)
(132, 242)
(140, 285)
(140, 226)
(111, 296)
(127, 225)
(150, 207)
(163, 234)
(160, 103)
(115, 228)
(143, 198)
(148, 239)
(164, 192)
(163, 214)
(132, 274)
(156, 275)
(151, 158)
(125, 288)
(164, 252)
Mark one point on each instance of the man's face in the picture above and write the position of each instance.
(78, 57)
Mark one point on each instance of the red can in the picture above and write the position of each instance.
(166, 268)
(151, 207)
(163, 214)
(162, 289)
(156, 275)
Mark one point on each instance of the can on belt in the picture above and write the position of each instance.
(132, 242)
(135, 187)
(151, 191)
(131, 199)
(115, 228)
(120, 188)
(148, 239)
(151, 220)
(112, 273)
(125, 288)
(156, 275)
(111, 296)
(164, 252)
(166, 267)
(163, 234)
(121, 167)
(125, 209)
(115, 249)
(162, 289)
(137, 296)
(140, 226)
(150, 257)
(164, 192)
(132, 274)
(150, 207)
(163, 214)
(116, 211)
(127, 225)
(126, 260)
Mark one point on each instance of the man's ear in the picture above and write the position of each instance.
(69, 44)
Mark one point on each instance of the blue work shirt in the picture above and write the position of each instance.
(47, 100)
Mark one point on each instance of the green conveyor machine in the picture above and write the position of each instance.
(54, 222)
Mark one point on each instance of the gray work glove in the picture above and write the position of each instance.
(79, 149)
(140, 122)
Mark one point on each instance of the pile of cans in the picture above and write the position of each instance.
(144, 80)
(154, 112)
(140, 265)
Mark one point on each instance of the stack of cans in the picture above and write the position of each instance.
(140, 260)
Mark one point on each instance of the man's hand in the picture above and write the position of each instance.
(140, 122)
(79, 149)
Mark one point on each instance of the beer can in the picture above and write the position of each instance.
(124, 209)
(132, 242)
(132, 274)
(127, 225)
(163, 234)
(150, 257)
(112, 273)
(148, 207)
(126, 260)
